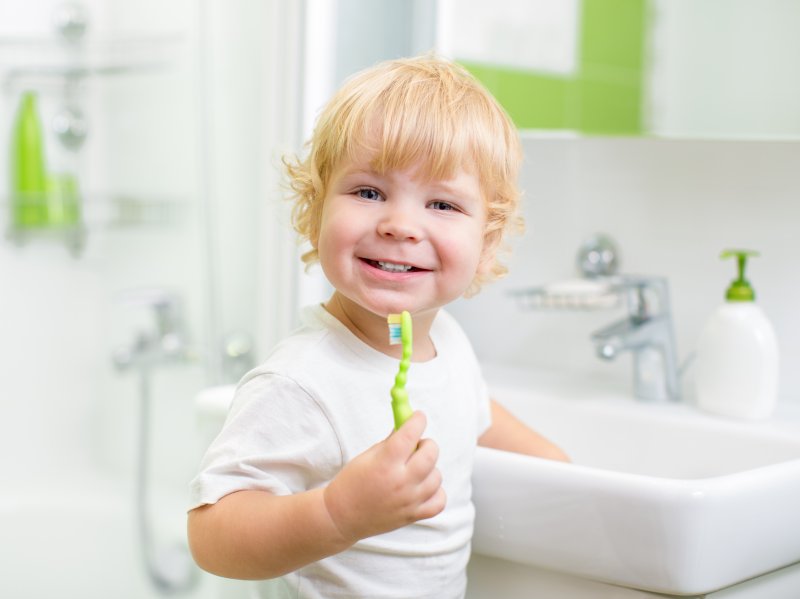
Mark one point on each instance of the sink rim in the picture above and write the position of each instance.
(685, 418)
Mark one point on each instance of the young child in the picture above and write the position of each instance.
(405, 195)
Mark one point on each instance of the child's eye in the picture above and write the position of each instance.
(368, 193)
(440, 205)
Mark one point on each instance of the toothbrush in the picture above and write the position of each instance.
(400, 333)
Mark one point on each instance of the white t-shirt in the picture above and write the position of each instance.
(321, 399)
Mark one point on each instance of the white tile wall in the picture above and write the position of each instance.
(671, 206)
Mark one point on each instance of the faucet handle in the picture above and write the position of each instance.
(166, 306)
(147, 296)
(168, 341)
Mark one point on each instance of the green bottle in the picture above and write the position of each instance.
(28, 177)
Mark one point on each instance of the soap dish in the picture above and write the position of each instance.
(571, 294)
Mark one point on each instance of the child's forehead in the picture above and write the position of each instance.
(438, 145)
(424, 165)
(369, 163)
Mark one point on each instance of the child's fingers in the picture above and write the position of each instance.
(423, 460)
(433, 506)
(429, 487)
(402, 443)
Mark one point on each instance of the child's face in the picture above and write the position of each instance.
(393, 242)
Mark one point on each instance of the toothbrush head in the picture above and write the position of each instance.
(395, 322)
(400, 329)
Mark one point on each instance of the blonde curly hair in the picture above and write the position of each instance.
(423, 110)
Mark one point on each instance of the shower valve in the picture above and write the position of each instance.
(167, 343)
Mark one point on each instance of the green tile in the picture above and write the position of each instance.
(604, 97)
(532, 101)
(609, 108)
(613, 33)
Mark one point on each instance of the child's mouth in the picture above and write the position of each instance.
(391, 266)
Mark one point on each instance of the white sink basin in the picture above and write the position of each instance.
(659, 497)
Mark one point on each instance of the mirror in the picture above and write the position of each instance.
(713, 69)
(668, 68)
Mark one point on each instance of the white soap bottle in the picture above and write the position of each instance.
(737, 354)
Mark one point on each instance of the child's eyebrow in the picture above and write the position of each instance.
(462, 191)
(359, 172)
(447, 187)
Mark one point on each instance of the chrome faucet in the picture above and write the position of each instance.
(648, 334)
(166, 342)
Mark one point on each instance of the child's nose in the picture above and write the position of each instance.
(399, 224)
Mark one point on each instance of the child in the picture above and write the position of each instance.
(405, 195)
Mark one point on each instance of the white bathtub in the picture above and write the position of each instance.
(86, 546)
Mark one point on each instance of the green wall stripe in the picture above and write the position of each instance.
(605, 95)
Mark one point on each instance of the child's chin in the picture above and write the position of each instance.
(391, 306)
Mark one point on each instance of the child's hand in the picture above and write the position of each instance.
(392, 484)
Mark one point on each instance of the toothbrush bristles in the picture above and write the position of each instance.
(395, 329)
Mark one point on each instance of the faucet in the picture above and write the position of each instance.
(167, 342)
(647, 332)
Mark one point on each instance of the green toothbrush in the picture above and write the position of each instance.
(400, 332)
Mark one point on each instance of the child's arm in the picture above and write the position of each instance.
(509, 434)
(256, 535)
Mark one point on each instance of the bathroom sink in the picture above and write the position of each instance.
(659, 496)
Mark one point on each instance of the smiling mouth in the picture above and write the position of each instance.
(392, 266)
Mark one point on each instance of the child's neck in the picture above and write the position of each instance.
(372, 329)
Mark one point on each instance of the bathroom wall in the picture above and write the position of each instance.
(671, 206)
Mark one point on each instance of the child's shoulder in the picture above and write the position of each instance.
(306, 345)
(296, 365)
(447, 325)
(452, 340)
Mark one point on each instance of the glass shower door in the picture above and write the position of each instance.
(168, 123)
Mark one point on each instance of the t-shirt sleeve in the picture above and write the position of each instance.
(276, 438)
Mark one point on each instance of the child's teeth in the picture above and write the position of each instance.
(391, 266)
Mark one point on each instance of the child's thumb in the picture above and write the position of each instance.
(404, 440)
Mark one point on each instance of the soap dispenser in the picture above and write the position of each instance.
(737, 354)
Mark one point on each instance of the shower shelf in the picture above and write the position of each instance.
(102, 212)
(126, 211)
(123, 210)
(52, 58)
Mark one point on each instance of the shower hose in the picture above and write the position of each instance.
(171, 569)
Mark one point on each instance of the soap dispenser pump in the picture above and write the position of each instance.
(737, 353)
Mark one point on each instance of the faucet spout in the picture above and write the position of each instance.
(615, 338)
(647, 333)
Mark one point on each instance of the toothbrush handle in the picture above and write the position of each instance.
(400, 406)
